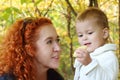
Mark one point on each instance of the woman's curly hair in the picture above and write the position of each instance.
(18, 49)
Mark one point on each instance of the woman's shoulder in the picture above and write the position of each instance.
(7, 77)
(54, 75)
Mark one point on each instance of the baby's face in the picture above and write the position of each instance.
(91, 35)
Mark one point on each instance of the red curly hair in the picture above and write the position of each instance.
(18, 49)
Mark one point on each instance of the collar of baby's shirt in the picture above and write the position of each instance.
(104, 48)
(77, 63)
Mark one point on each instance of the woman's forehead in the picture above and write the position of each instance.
(47, 31)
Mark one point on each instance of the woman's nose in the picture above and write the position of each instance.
(57, 47)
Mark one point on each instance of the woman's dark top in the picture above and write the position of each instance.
(7, 77)
(52, 75)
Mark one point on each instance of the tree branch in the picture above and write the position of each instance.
(36, 8)
(48, 7)
(119, 14)
(119, 23)
(72, 9)
(93, 3)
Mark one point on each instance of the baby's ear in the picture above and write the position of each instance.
(106, 33)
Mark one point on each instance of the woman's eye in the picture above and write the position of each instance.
(80, 35)
(49, 41)
(58, 40)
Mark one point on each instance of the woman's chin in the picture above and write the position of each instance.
(55, 66)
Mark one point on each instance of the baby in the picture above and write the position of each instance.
(96, 61)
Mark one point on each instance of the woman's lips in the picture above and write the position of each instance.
(56, 57)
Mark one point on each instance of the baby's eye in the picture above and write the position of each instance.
(49, 42)
(80, 35)
(90, 32)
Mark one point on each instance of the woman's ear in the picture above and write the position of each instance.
(30, 50)
(105, 33)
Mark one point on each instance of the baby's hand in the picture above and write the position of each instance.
(82, 47)
(82, 55)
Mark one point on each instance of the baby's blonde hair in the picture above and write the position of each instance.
(94, 14)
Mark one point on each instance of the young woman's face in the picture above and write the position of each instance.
(91, 35)
(48, 49)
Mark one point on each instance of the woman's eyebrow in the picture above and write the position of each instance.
(48, 38)
(51, 37)
(58, 36)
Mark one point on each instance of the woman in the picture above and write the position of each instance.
(30, 51)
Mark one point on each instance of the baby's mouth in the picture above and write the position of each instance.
(87, 44)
